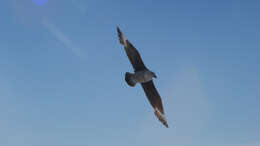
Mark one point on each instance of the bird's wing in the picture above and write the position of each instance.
(131, 52)
(155, 100)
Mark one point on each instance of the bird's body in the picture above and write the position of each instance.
(143, 76)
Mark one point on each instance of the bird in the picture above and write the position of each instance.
(143, 76)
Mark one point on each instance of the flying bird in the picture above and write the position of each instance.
(143, 76)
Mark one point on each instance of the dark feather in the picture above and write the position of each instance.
(132, 53)
(153, 95)
(155, 100)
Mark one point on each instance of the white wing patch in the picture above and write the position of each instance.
(122, 38)
(161, 117)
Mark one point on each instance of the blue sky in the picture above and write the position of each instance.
(62, 72)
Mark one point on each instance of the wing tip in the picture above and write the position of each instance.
(161, 117)
(122, 38)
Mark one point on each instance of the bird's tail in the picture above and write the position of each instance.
(161, 117)
(122, 38)
(129, 78)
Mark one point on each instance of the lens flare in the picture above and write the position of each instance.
(40, 2)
